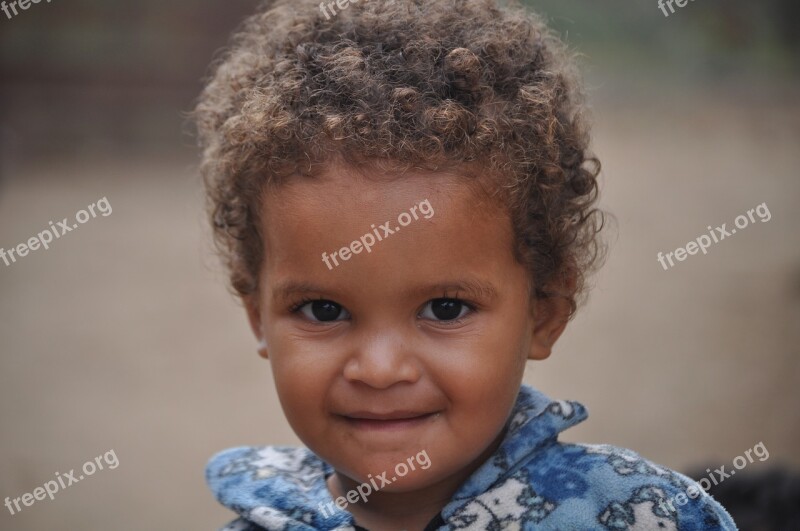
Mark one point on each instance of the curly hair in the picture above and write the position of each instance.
(405, 84)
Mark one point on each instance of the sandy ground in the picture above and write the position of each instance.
(122, 335)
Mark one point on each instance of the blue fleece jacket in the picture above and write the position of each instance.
(532, 482)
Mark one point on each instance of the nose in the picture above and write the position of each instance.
(382, 361)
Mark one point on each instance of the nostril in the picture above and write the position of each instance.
(381, 369)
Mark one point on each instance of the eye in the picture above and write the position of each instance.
(445, 310)
(323, 310)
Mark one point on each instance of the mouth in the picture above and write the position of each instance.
(395, 420)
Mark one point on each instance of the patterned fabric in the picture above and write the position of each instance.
(532, 482)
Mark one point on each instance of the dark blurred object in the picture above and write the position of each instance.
(787, 15)
(759, 501)
(91, 75)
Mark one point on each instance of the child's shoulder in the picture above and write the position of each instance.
(584, 486)
(273, 487)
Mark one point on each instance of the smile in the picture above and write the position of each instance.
(397, 420)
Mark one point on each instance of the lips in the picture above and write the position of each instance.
(393, 420)
(393, 415)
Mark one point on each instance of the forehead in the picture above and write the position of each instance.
(361, 194)
(367, 185)
(308, 216)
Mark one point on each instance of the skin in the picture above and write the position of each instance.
(388, 350)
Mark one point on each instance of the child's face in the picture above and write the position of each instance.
(383, 371)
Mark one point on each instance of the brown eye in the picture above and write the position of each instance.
(445, 309)
(324, 311)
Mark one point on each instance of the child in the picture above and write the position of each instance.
(403, 195)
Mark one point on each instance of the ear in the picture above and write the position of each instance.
(254, 316)
(549, 321)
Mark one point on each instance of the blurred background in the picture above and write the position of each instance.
(123, 336)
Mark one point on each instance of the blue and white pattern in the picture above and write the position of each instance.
(532, 482)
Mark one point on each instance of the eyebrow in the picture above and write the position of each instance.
(474, 288)
(286, 289)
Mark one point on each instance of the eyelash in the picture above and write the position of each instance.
(295, 307)
(471, 306)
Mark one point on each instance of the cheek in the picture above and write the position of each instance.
(484, 404)
(482, 378)
(485, 366)
(301, 377)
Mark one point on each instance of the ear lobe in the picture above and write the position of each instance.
(254, 317)
(550, 319)
(262, 348)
